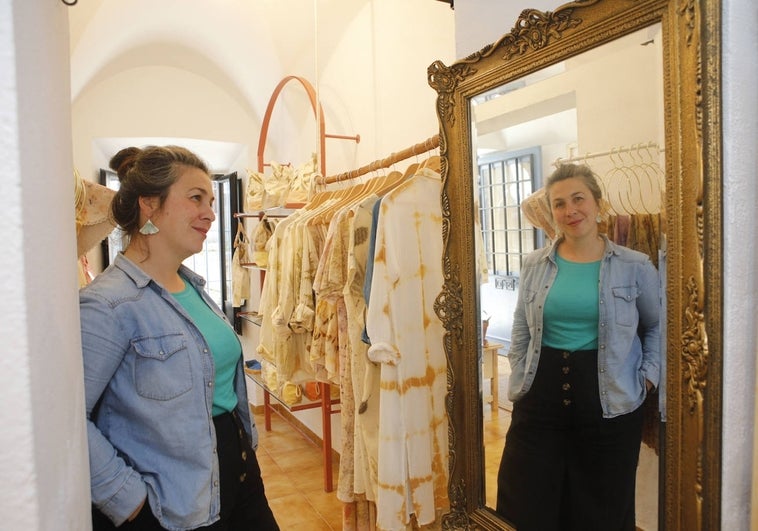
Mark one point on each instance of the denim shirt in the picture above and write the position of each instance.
(148, 379)
(628, 325)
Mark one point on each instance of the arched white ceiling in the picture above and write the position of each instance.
(239, 44)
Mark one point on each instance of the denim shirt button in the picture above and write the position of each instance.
(210, 384)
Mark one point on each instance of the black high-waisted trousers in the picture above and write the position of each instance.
(564, 466)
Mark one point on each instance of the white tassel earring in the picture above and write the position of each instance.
(148, 228)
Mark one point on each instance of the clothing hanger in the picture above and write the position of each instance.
(353, 194)
(433, 163)
(319, 199)
(410, 170)
(390, 182)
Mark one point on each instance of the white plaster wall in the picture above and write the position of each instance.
(740, 168)
(43, 461)
(18, 491)
(156, 101)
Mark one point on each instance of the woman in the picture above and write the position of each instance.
(171, 441)
(584, 354)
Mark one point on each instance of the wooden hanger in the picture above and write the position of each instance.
(390, 182)
(433, 163)
(353, 194)
(319, 199)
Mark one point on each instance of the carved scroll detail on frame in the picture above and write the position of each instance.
(695, 355)
(694, 349)
(449, 308)
(457, 518)
(687, 8)
(534, 30)
(445, 80)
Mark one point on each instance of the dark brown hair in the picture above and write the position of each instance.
(146, 172)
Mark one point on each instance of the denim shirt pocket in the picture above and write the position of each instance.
(625, 305)
(529, 296)
(162, 367)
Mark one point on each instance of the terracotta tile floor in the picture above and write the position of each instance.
(293, 476)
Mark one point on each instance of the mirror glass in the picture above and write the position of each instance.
(633, 90)
(602, 108)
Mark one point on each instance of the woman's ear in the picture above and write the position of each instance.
(148, 205)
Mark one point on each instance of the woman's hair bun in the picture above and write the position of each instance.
(122, 161)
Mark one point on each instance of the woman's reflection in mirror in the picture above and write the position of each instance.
(585, 353)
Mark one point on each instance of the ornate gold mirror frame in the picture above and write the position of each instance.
(691, 45)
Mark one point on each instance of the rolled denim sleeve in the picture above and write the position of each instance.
(116, 488)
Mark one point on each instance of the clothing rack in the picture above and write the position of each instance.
(632, 178)
(613, 151)
(429, 144)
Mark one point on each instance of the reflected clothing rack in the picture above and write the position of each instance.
(613, 151)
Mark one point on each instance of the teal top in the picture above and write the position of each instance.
(224, 345)
(571, 308)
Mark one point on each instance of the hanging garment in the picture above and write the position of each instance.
(302, 181)
(254, 191)
(364, 374)
(240, 275)
(260, 237)
(276, 185)
(407, 340)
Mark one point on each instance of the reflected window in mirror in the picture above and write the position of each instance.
(505, 180)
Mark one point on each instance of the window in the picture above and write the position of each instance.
(505, 179)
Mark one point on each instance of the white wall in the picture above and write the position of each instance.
(740, 168)
(43, 461)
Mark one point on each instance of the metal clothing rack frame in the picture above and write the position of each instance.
(326, 402)
(318, 112)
